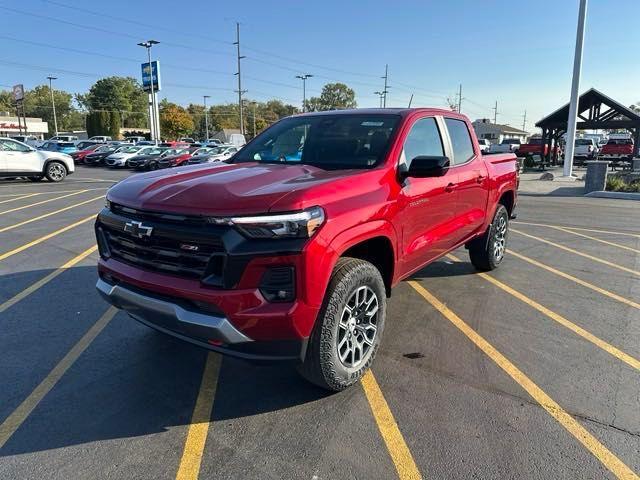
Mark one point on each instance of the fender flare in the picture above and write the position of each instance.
(54, 159)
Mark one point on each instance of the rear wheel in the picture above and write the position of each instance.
(55, 171)
(349, 326)
(487, 252)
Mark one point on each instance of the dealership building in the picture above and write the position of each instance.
(35, 126)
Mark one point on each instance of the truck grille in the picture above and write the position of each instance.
(183, 252)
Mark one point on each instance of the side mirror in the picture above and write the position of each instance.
(427, 166)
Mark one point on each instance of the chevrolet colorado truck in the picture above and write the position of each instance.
(290, 249)
(535, 147)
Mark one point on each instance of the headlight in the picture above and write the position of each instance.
(107, 204)
(287, 225)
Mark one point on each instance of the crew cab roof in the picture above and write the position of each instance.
(403, 112)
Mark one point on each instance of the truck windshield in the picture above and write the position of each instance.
(535, 141)
(330, 142)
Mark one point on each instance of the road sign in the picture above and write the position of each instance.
(18, 92)
(148, 72)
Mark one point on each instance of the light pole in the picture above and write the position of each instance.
(575, 91)
(206, 117)
(304, 89)
(53, 104)
(154, 121)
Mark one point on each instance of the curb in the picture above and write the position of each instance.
(618, 195)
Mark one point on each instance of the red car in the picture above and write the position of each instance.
(290, 251)
(180, 158)
(621, 149)
(78, 157)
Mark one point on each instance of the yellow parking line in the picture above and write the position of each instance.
(43, 281)
(591, 443)
(576, 252)
(595, 288)
(6, 195)
(191, 460)
(636, 235)
(611, 244)
(75, 205)
(45, 237)
(397, 447)
(20, 414)
(43, 202)
(610, 349)
(16, 198)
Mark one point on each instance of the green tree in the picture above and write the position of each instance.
(100, 122)
(175, 121)
(197, 115)
(334, 96)
(6, 102)
(121, 94)
(37, 103)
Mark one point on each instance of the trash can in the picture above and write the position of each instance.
(596, 179)
(636, 164)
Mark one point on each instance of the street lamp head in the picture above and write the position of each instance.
(154, 42)
(148, 43)
(52, 78)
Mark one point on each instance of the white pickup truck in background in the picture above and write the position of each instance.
(508, 145)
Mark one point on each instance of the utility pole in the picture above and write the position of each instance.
(385, 91)
(524, 121)
(460, 99)
(254, 119)
(206, 117)
(575, 91)
(240, 91)
(304, 89)
(495, 113)
(53, 104)
(155, 121)
(380, 95)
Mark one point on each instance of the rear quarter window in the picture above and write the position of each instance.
(460, 141)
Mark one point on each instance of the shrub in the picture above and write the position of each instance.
(618, 184)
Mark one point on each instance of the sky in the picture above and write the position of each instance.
(516, 52)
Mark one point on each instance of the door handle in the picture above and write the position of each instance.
(450, 187)
(480, 178)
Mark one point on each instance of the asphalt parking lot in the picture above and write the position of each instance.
(531, 371)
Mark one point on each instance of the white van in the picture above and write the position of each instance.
(237, 139)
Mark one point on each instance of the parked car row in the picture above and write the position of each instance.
(153, 157)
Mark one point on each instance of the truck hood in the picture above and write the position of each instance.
(220, 188)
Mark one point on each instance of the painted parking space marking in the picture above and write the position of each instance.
(28, 405)
(576, 252)
(46, 237)
(40, 217)
(42, 202)
(18, 197)
(393, 439)
(191, 460)
(593, 230)
(591, 443)
(589, 237)
(6, 195)
(43, 281)
(610, 349)
(579, 281)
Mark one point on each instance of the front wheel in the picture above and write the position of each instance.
(487, 252)
(349, 326)
(55, 172)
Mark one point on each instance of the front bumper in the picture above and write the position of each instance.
(212, 331)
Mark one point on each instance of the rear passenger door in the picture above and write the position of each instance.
(428, 205)
(472, 179)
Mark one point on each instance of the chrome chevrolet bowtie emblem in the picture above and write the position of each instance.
(137, 229)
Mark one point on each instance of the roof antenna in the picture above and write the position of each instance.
(410, 100)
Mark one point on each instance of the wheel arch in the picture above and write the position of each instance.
(54, 159)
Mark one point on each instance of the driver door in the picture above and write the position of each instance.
(18, 157)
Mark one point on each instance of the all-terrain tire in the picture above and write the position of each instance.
(487, 252)
(322, 364)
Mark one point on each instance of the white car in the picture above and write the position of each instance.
(119, 158)
(18, 159)
(101, 138)
(219, 154)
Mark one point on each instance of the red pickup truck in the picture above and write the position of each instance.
(535, 147)
(290, 250)
(618, 149)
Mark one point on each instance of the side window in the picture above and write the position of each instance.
(460, 141)
(15, 146)
(423, 140)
